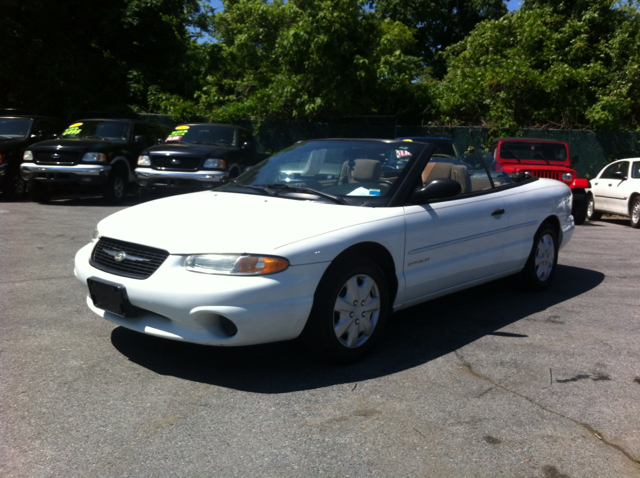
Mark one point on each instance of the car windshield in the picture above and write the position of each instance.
(204, 134)
(331, 169)
(107, 129)
(14, 128)
(522, 150)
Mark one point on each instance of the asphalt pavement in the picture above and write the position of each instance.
(489, 382)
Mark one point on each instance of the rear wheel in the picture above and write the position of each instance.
(37, 192)
(116, 186)
(350, 309)
(592, 214)
(635, 213)
(541, 266)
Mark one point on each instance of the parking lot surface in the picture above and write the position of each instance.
(492, 381)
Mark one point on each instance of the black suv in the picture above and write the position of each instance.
(91, 154)
(196, 157)
(16, 134)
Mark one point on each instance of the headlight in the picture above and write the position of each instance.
(96, 235)
(27, 156)
(567, 176)
(215, 163)
(144, 160)
(99, 157)
(235, 264)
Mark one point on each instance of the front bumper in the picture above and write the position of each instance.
(83, 174)
(180, 179)
(182, 305)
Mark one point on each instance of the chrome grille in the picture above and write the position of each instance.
(45, 157)
(183, 163)
(126, 259)
(547, 174)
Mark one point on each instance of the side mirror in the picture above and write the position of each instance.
(575, 159)
(248, 145)
(439, 188)
(138, 139)
(159, 141)
(619, 175)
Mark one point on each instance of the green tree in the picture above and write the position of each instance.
(305, 59)
(570, 64)
(66, 57)
(439, 23)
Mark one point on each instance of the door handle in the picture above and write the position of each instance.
(498, 212)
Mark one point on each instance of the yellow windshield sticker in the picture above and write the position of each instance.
(75, 124)
(182, 127)
(73, 129)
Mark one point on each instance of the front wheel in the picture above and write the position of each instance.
(350, 309)
(635, 213)
(592, 214)
(37, 192)
(580, 209)
(15, 187)
(541, 265)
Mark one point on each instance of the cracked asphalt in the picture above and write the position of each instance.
(490, 382)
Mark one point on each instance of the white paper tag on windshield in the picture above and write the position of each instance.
(364, 192)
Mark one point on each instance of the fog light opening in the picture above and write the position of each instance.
(228, 327)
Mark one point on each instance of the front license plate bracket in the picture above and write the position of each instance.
(110, 296)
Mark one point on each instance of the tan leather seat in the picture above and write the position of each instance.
(441, 169)
(364, 171)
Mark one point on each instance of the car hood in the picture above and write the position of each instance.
(87, 144)
(221, 222)
(190, 149)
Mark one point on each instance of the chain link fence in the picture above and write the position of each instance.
(595, 148)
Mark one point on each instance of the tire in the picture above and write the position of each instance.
(541, 265)
(350, 310)
(592, 214)
(579, 211)
(635, 213)
(15, 188)
(115, 189)
(37, 192)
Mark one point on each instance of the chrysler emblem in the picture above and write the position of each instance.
(55, 155)
(120, 256)
(175, 161)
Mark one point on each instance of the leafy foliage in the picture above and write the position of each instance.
(305, 59)
(439, 23)
(66, 57)
(560, 64)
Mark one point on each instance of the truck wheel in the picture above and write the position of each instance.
(15, 187)
(350, 309)
(541, 265)
(37, 192)
(592, 214)
(579, 210)
(116, 186)
(635, 213)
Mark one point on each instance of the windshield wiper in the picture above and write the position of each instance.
(300, 189)
(512, 154)
(542, 157)
(264, 189)
(96, 137)
(206, 142)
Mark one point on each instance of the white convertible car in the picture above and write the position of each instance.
(322, 241)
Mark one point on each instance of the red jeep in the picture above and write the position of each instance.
(544, 158)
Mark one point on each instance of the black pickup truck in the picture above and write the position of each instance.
(17, 133)
(195, 157)
(91, 154)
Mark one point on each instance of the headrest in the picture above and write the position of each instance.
(366, 171)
